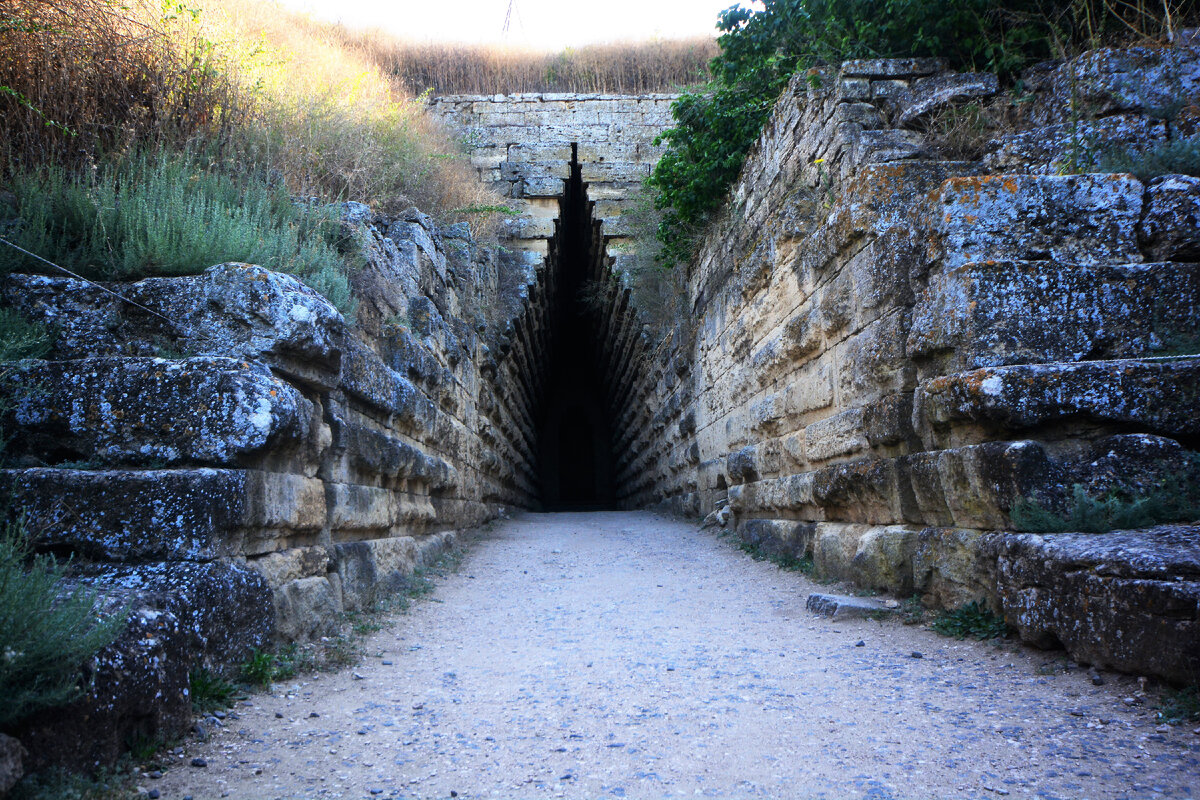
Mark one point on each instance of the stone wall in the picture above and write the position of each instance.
(230, 457)
(889, 349)
(523, 146)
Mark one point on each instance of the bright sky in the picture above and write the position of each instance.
(543, 24)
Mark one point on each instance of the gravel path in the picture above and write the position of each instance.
(626, 655)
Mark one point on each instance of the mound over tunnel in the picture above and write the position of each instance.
(569, 165)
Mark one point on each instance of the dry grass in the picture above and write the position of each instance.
(250, 84)
(624, 68)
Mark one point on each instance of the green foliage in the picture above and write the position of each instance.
(760, 50)
(1177, 499)
(58, 784)
(1180, 706)
(1178, 157)
(210, 691)
(260, 669)
(171, 215)
(20, 338)
(974, 619)
(47, 632)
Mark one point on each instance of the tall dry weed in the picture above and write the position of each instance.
(623, 68)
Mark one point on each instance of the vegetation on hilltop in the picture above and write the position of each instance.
(621, 68)
(235, 93)
(760, 51)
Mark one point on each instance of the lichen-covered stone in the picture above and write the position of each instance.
(778, 538)
(927, 96)
(1171, 223)
(1127, 600)
(192, 514)
(1159, 395)
(232, 310)
(995, 313)
(370, 570)
(150, 410)
(1077, 219)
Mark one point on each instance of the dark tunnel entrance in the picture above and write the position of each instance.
(575, 443)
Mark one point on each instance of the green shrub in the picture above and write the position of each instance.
(46, 633)
(1180, 706)
(171, 215)
(1177, 499)
(210, 691)
(1179, 157)
(20, 338)
(974, 619)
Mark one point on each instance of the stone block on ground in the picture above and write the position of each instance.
(837, 606)
(1127, 600)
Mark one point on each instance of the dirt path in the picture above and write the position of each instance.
(626, 655)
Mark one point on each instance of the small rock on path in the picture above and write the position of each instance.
(627, 655)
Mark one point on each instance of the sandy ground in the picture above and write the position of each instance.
(628, 655)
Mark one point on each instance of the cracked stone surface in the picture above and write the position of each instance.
(628, 655)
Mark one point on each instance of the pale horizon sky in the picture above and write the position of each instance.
(542, 24)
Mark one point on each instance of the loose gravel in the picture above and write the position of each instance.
(626, 655)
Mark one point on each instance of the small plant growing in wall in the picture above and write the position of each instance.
(47, 631)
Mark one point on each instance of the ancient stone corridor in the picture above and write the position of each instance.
(628, 655)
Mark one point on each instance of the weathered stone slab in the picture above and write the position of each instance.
(1026, 312)
(145, 410)
(1160, 395)
(1077, 219)
(837, 606)
(1170, 228)
(181, 615)
(1128, 600)
(927, 96)
(192, 514)
(235, 310)
(780, 538)
(373, 569)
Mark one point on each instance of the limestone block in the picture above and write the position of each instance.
(288, 565)
(872, 491)
(361, 508)
(366, 377)
(1079, 219)
(191, 514)
(1108, 80)
(892, 67)
(378, 453)
(955, 566)
(1062, 147)
(1127, 600)
(839, 435)
(141, 410)
(1170, 229)
(372, 569)
(874, 361)
(742, 466)
(883, 559)
(811, 389)
(1157, 395)
(306, 609)
(778, 538)
(119, 703)
(927, 96)
(233, 310)
(888, 420)
(834, 546)
(840, 606)
(997, 313)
